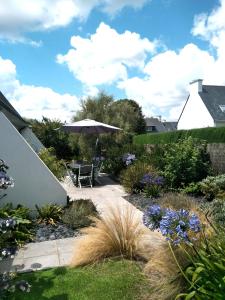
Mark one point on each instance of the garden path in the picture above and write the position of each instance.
(35, 256)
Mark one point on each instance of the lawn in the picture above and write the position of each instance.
(112, 279)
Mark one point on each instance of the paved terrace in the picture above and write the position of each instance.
(36, 256)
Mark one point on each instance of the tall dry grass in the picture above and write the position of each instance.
(118, 233)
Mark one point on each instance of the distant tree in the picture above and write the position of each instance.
(48, 133)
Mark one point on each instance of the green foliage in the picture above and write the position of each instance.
(213, 186)
(185, 162)
(124, 113)
(131, 177)
(78, 214)
(49, 158)
(114, 164)
(48, 133)
(192, 189)
(215, 210)
(21, 232)
(207, 270)
(211, 135)
(19, 212)
(49, 213)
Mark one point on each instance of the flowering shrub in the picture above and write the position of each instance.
(175, 225)
(5, 180)
(10, 236)
(205, 272)
(128, 159)
(152, 184)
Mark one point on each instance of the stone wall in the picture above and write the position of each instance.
(216, 152)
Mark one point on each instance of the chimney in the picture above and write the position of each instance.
(196, 86)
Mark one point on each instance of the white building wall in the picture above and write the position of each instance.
(32, 140)
(195, 114)
(34, 182)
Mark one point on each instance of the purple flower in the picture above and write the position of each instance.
(152, 217)
(194, 223)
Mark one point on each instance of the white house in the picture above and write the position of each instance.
(33, 181)
(205, 107)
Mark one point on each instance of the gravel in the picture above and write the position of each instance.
(140, 201)
(45, 232)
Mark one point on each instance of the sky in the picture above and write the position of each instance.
(55, 53)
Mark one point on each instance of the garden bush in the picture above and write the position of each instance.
(211, 135)
(78, 213)
(185, 162)
(55, 166)
(152, 184)
(49, 213)
(215, 210)
(213, 186)
(132, 176)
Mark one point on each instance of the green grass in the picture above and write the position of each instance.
(111, 280)
(211, 135)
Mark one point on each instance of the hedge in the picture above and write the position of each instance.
(210, 135)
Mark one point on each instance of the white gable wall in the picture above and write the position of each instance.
(195, 114)
(34, 182)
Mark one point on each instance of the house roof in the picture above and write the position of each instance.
(213, 96)
(154, 122)
(170, 126)
(10, 112)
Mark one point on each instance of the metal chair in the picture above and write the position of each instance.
(70, 174)
(97, 170)
(85, 173)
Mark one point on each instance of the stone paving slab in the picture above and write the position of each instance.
(37, 256)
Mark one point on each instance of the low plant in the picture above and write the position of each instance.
(212, 186)
(49, 213)
(205, 271)
(132, 176)
(193, 189)
(215, 211)
(152, 185)
(117, 233)
(78, 214)
(55, 166)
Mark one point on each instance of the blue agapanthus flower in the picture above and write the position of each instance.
(174, 225)
(128, 158)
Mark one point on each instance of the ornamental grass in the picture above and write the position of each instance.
(117, 233)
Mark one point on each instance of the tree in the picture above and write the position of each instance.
(48, 133)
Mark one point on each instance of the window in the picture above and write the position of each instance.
(151, 128)
(222, 107)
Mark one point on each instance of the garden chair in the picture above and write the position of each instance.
(97, 170)
(70, 174)
(85, 174)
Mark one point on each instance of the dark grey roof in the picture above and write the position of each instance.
(10, 112)
(170, 126)
(154, 122)
(213, 96)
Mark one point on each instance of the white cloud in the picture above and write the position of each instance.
(35, 101)
(20, 16)
(105, 56)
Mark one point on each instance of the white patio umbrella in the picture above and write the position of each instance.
(89, 126)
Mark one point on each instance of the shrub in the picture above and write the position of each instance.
(212, 186)
(193, 189)
(55, 166)
(216, 211)
(211, 135)
(132, 176)
(152, 184)
(185, 162)
(49, 213)
(117, 233)
(78, 213)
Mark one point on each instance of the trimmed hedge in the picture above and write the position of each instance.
(210, 135)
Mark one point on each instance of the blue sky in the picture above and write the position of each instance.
(53, 53)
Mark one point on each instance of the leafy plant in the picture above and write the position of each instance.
(152, 184)
(216, 211)
(49, 213)
(116, 233)
(19, 211)
(193, 189)
(185, 162)
(55, 166)
(78, 213)
(132, 176)
(205, 272)
(212, 186)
